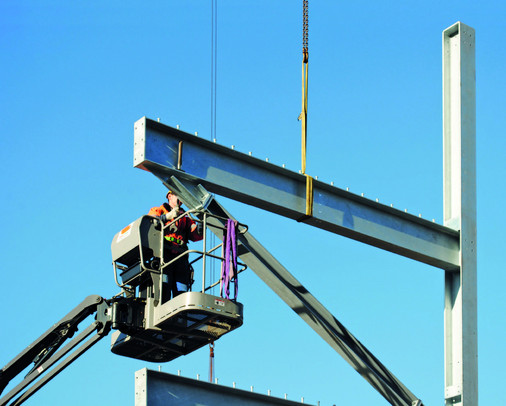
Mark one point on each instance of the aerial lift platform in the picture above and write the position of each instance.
(145, 327)
(178, 326)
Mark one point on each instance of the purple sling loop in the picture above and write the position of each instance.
(229, 264)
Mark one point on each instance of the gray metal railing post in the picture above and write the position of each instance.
(204, 254)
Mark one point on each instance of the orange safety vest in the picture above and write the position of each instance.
(180, 231)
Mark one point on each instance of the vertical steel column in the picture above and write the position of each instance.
(459, 146)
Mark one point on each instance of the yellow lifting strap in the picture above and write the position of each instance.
(303, 114)
(309, 199)
(309, 195)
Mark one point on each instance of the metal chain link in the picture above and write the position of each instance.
(305, 49)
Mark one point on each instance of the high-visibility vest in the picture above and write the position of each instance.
(180, 231)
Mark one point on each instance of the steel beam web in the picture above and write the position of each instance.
(167, 151)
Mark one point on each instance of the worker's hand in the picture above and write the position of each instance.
(171, 215)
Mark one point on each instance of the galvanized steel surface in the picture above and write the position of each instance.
(252, 181)
(459, 141)
(154, 388)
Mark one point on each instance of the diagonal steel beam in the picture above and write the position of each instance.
(300, 300)
(252, 181)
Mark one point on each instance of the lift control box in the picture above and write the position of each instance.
(137, 248)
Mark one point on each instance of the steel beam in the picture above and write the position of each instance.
(300, 300)
(168, 151)
(459, 141)
(154, 388)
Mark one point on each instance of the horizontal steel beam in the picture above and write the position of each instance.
(154, 388)
(168, 151)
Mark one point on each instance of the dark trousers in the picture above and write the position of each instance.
(176, 278)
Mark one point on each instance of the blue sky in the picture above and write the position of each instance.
(75, 77)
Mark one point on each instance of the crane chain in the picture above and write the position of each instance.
(305, 49)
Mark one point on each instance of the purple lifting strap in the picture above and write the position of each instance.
(229, 265)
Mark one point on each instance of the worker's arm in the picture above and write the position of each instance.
(171, 215)
(196, 230)
(165, 217)
(155, 212)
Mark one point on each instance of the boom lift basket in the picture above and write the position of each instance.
(161, 332)
(181, 326)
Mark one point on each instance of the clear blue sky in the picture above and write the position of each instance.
(75, 77)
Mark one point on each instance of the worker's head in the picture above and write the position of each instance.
(173, 199)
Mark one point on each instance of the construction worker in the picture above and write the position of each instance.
(177, 277)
